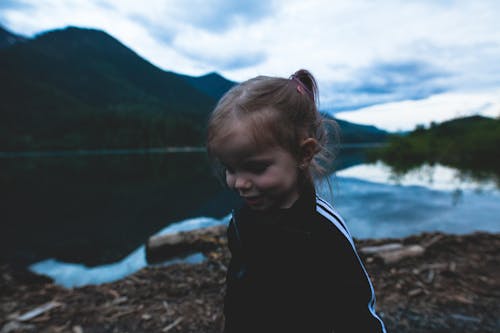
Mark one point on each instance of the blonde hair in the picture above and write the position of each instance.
(280, 111)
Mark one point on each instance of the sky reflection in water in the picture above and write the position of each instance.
(374, 203)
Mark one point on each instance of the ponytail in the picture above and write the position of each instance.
(306, 81)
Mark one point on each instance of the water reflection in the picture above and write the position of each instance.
(376, 204)
(437, 177)
(96, 210)
(373, 203)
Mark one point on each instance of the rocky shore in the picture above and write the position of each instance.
(435, 283)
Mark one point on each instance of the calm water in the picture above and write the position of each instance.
(97, 209)
(64, 214)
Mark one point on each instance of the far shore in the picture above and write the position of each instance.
(141, 151)
(79, 152)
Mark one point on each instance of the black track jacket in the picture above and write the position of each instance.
(296, 270)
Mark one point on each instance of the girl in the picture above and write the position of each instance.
(294, 266)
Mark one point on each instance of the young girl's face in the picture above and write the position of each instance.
(264, 176)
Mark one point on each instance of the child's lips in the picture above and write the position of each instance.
(252, 201)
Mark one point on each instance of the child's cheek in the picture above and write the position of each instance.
(266, 181)
(229, 180)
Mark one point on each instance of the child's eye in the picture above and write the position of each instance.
(257, 168)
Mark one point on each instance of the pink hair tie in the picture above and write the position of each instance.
(301, 87)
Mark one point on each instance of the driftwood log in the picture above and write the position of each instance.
(393, 252)
(165, 247)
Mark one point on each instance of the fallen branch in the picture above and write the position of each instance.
(175, 323)
(38, 311)
(394, 252)
(381, 248)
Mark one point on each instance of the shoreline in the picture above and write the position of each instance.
(86, 152)
(143, 151)
(451, 286)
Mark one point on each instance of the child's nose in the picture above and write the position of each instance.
(242, 183)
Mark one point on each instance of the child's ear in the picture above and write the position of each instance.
(308, 148)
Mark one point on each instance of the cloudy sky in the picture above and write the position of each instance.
(390, 63)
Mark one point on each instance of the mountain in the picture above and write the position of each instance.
(347, 132)
(75, 88)
(356, 133)
(7, 38)
(211, 84)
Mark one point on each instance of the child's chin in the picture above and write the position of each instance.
(259, 209)
(259, 206)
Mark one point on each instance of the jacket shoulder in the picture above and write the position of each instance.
(330, 221)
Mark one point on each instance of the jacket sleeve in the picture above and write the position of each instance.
(350, 290)
(234, 273)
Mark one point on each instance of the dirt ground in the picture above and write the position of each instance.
(453, 286)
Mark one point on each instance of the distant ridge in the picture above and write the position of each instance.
(212, 84)
(7, 38)
(355, 133)
(79, 88)
(82, 88)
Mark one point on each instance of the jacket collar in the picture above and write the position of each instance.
(295, 216)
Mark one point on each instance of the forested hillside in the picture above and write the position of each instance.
(466, 143)
(77, 88)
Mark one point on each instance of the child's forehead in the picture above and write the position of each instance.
(242, 143)
(237, 141)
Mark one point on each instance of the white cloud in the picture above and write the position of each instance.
(403, 116)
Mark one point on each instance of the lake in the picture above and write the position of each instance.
(84, 218)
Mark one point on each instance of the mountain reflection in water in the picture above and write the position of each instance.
(94, 211)
(373, 202)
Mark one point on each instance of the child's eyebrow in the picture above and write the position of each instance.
(254, 160)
